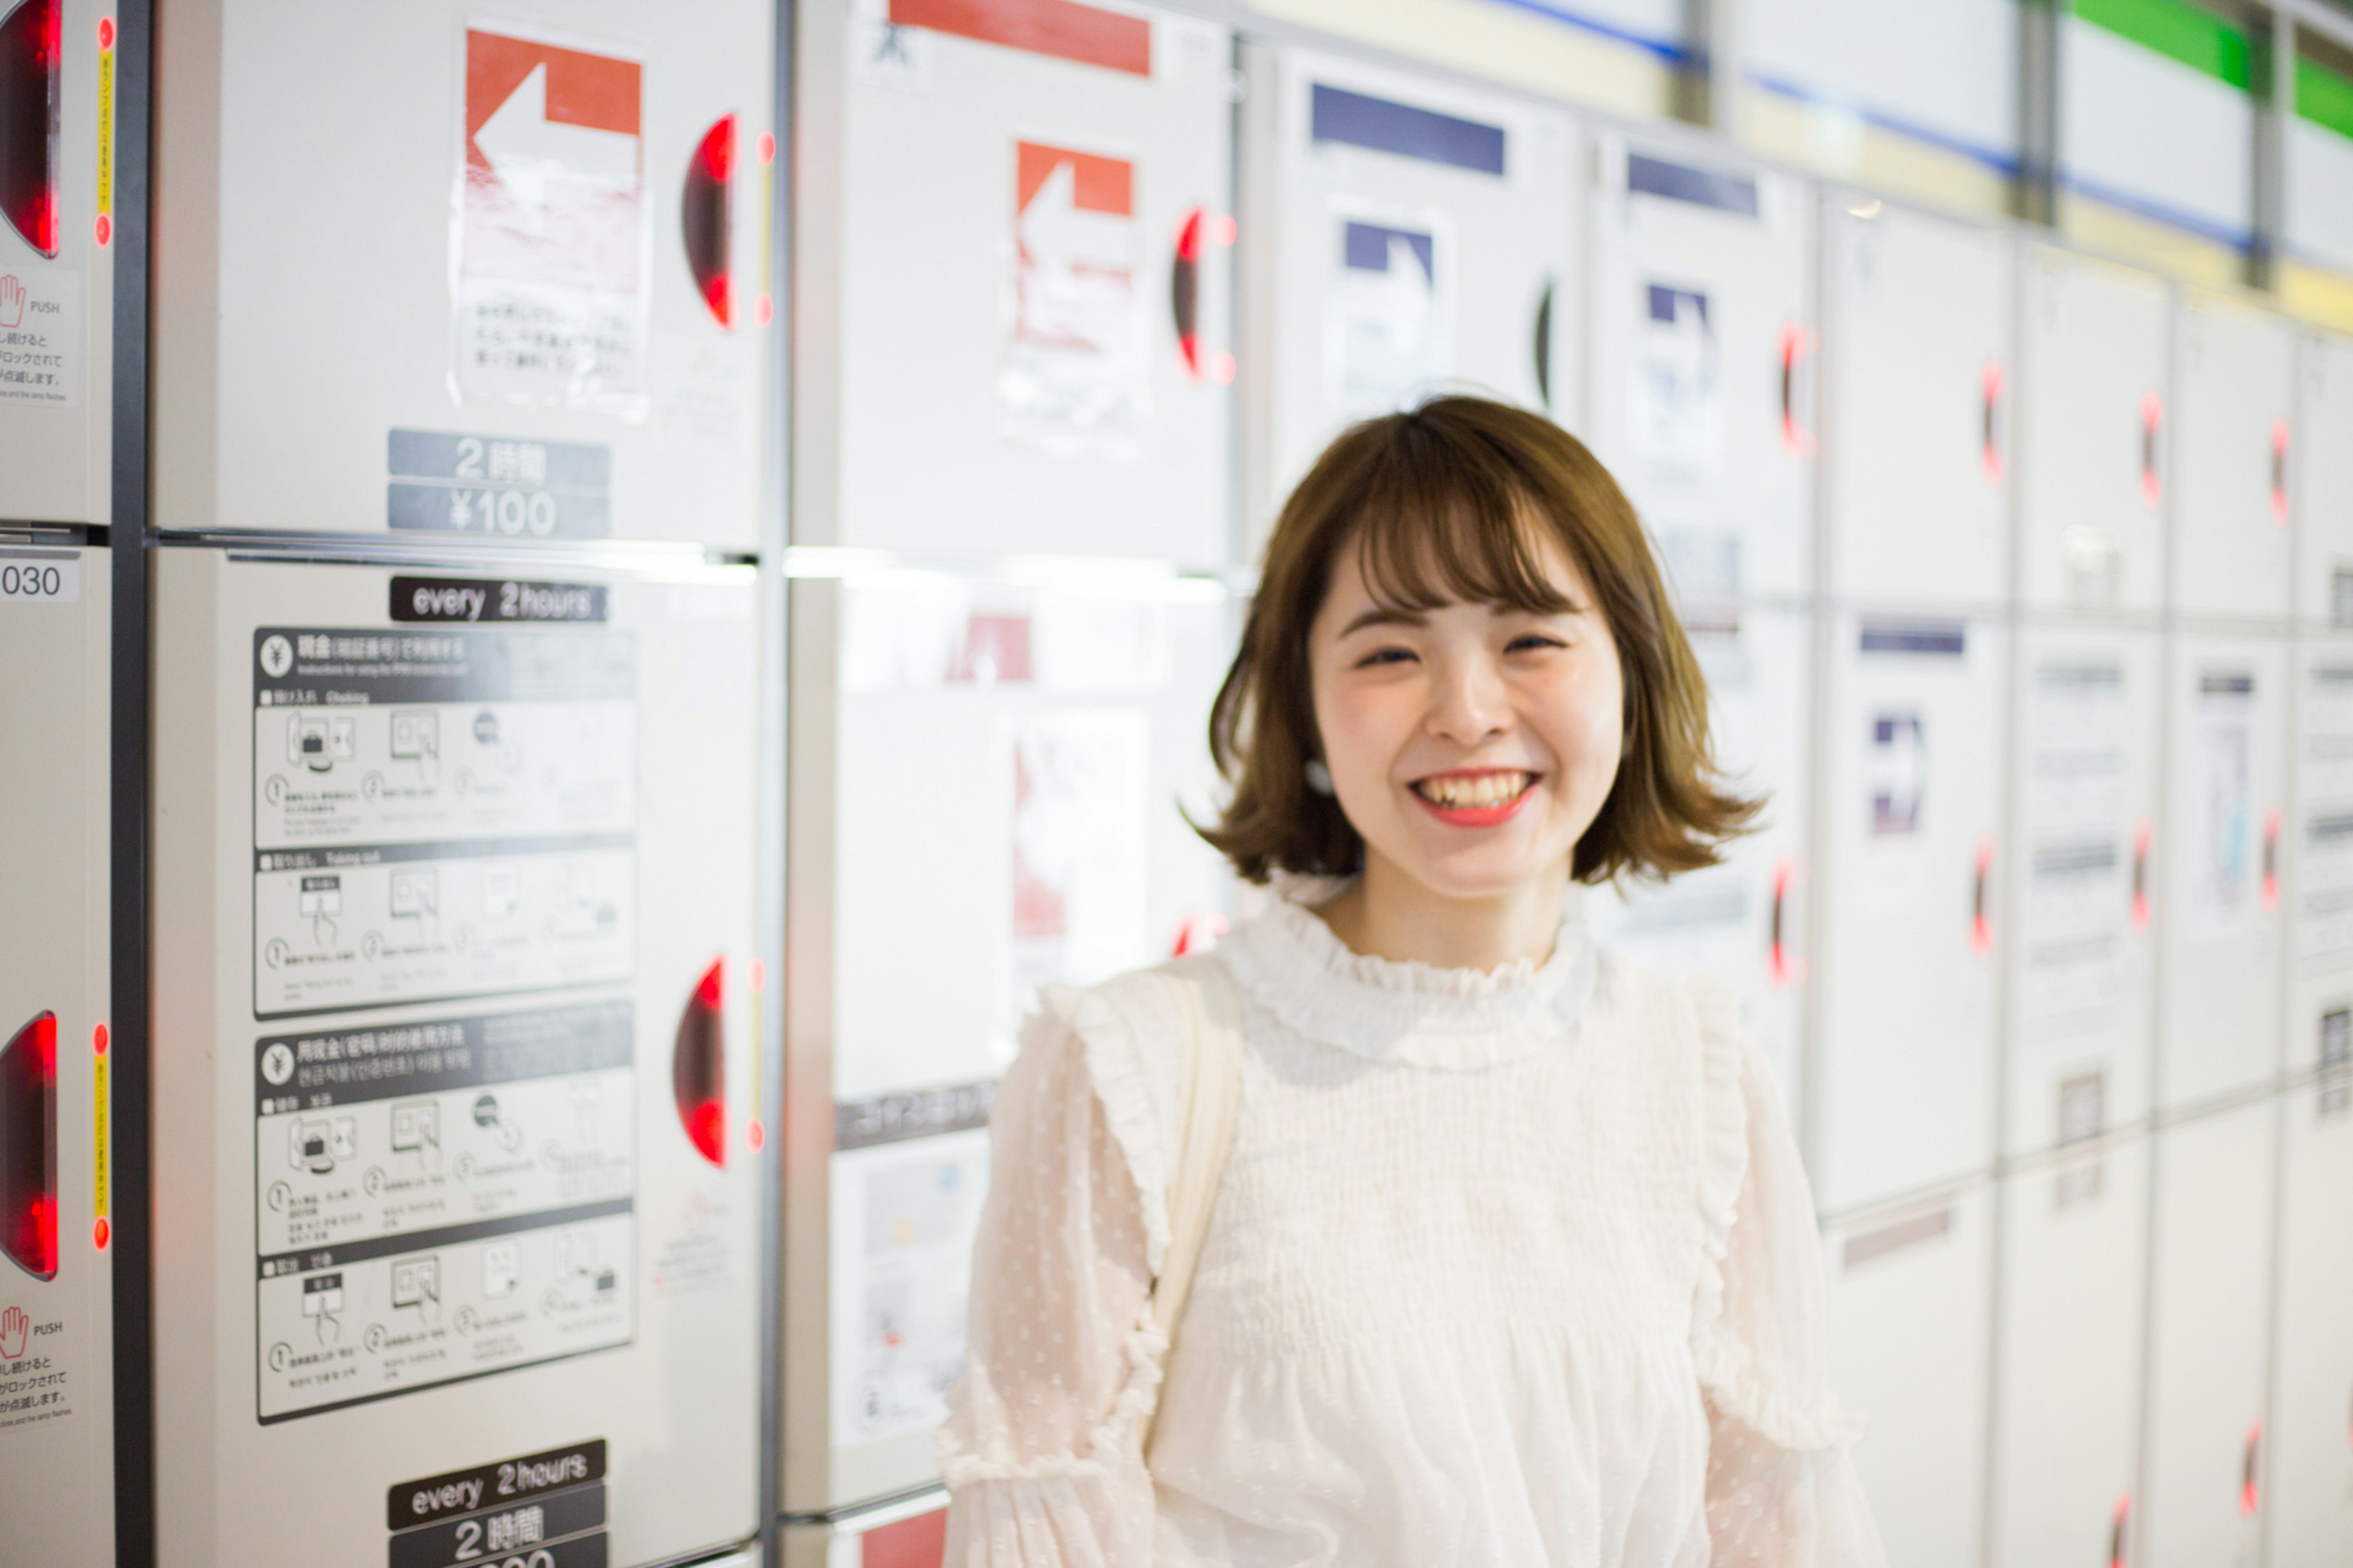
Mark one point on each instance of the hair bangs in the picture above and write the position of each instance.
(1452, 525)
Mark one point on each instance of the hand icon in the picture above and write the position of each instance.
(13, 1327)
(11, 301)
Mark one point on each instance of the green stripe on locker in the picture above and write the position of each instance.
(2323, 97)
(2197, 38)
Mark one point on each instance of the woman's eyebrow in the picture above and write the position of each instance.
(1384, 615)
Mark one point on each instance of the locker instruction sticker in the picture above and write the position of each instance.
(41, 344)
(548, 233)
(440, 1199)
(441, 813)
(2222, 871)
(906, 1215)
(2323, 897)
(1389, 318)
(1074, 372)
(2078, 875)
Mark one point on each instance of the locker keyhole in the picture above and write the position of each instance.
(2247, 1469)
(2271, 859)
(1990, 422)
(2279, 470)
(2143, 834)
(31, 44)
(1796, 342)
(1980, 908)
(705, 219)
(1778, 967)
(28, 1148)
(2116, 1538)
(2152, 414)
(1185, 292)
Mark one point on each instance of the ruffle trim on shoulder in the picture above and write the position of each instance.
(1724, 1154)
(1120, 1433)
(1123, 1083)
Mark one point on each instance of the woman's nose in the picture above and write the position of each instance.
(1470, 702)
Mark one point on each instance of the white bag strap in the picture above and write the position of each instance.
(1213, 1080)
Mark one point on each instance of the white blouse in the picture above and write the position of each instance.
(1510, 1269)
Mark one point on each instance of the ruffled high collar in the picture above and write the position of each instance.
(1463, 1019)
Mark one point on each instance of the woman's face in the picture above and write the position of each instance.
(1471, 745)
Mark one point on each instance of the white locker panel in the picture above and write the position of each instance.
(2082, 884)
(2208, 1326)
(454, 988)
(2319, 857)
(1030, 350)
(56, 252)
(1903, 1082)
(1916, 335)
(2219, 978)
(2067, 1388)
(2308, 1500)
(2323, 480)
(56, 1425)
(2092, 348)
(1910, 1304)
(505, 282)
(1403, 237)
(1024, 753)
(1741, 922)
(1701, 367)
(2233, 441)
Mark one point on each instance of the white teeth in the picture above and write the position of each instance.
(1472, 790)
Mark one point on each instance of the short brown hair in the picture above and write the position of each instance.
(1442, 506)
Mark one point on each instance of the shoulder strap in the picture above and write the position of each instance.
(1213, 1077)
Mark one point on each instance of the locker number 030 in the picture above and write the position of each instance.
(469, 1550)
(51, 581)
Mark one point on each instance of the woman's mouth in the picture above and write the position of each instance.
(1479, 797)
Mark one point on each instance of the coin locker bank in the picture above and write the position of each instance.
(457, 644)
(57, 1230)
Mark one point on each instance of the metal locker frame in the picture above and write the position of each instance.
(2078, 1020)
(1732, 517)
(2231, 448)
(2206, 1376)
(1892, 847)
(1916, 410)
(2220, 945)
(2307, 1483)
(2094, 347)
(2324, 479)
(895, 340)
(1911, 1303)
(1514, 322)
(2067, 1354)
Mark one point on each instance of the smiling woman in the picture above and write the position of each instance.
(1409, 1227)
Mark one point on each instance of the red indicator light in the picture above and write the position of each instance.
(1981, 909)
(764, 311)
(2117, 1522)
(698, 1066)
(2247, 1467)
(756, 1136)
(764, 148)
(704, 217)
(2152, 416)
(106, 32)
(100, 1234)
(31, 45)
(98, 1041)
(2279, 470)
(2143, 836)
(1989, 433)
(1778, 966)
(1198, 933)
(28, 1147)
(759, 977)
(1797, 347)
(1222, 229)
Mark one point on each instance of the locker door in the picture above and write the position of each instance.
(2067, 1389)
(1701, 366)
(1032, 310)
(57, 1429)
(2081, 883)
(2219, 981)
(1020, 751)
(1910, 1297)
(57, 249)
(2234, 387)
(1402, 236)
(2309, 1500)
(1741, 922)
(1904, 1085)
(1915, 347)
(2324, 480)
(2320, 861)
(2091, 414)
(2210, 1316)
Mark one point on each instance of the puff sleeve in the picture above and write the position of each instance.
(1781, 1490)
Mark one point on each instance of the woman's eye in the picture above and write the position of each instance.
(1384, 655)
(1531, 642)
